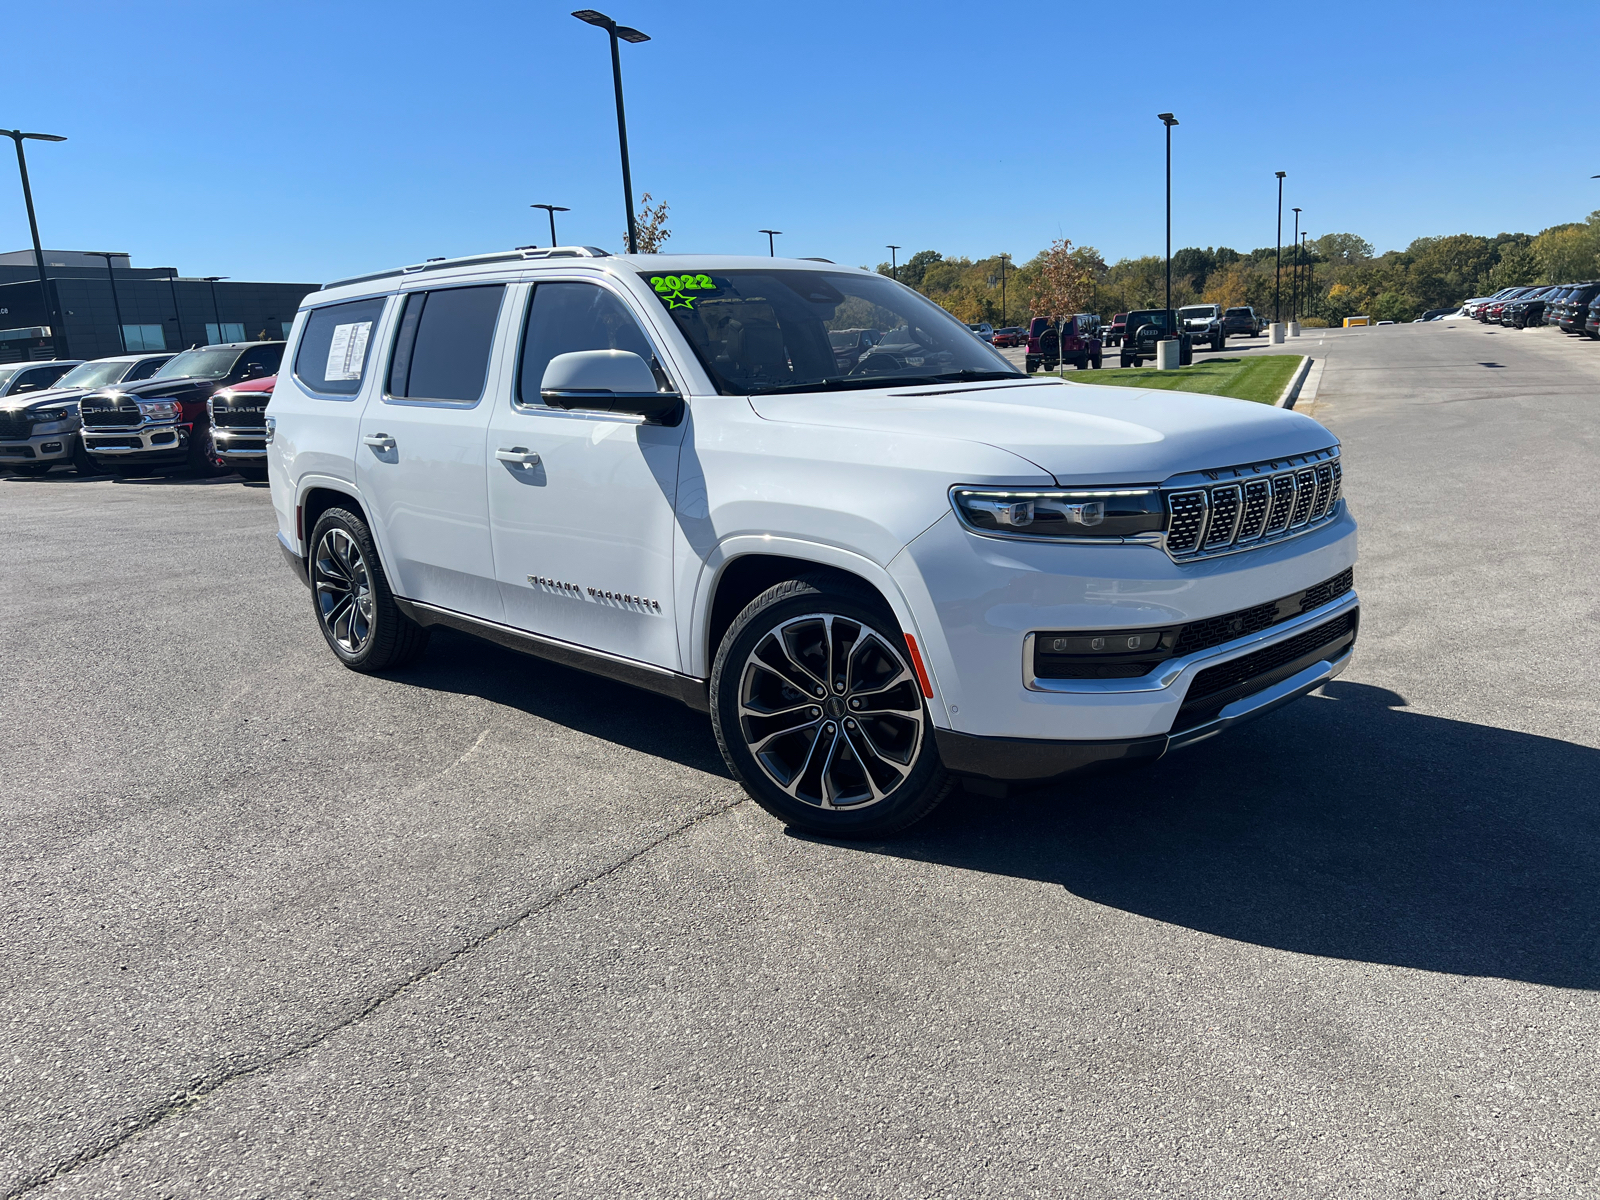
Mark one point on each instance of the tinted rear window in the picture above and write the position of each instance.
(337, 346)
(442, 351)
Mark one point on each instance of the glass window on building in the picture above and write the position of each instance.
(144, 337)
(228, 331)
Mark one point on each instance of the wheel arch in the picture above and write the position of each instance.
(316, 498)
(740, 572)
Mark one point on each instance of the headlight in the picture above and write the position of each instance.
(1074, 514)
(160, 410)
(42, 415)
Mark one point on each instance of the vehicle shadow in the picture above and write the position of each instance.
(615, 712)
(1341, 826)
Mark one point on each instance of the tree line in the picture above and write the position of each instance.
(1338, 275)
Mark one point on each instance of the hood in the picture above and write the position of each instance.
(1079, 433)
(48, 396)
(156, 389)
(263, 383)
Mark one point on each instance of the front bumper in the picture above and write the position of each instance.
(240, 445)
(150, 443)
(41, 447)
(977, 599)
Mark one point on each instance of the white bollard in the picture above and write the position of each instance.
(1294, 328)
(1167, 355)
(1276, 337)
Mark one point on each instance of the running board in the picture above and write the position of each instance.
(683, 688)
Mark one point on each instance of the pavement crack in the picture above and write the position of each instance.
(157, 1114)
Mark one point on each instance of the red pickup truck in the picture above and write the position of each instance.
(1048, 348)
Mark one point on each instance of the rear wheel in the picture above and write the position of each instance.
(819, 713)
(351, 598)
(1096, 361)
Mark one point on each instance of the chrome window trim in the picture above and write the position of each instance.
(1176, 669)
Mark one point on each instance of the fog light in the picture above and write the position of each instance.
(51, 448)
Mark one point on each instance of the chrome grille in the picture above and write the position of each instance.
(113, 416)
(1218, 512)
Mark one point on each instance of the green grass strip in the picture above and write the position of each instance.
(1259, 379)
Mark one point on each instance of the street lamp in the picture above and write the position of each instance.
(616, 31)
(1169, 121)
(116, 305)
(1003, 258)
(551, 210)
(215, 314)
(894, 269)
(57, 325)
(1305, 257)
(1277, 270)
(1294, 287)
(771, 233)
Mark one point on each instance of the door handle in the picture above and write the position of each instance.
(379, 441)
(518, 456)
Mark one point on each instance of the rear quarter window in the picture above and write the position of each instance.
(336, 347)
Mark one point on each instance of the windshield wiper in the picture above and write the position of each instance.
(967, 374)
(839, 384)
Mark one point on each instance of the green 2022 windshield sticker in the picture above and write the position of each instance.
(671, 288)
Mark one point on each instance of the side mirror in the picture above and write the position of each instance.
(615, 381)
(255, 370)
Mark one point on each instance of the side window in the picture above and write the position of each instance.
(442, 351)
(260, 363)
(143, 370)
(336, 346)
(39, 378)
(564, 317)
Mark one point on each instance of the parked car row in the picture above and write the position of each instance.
(203, 409)
(1572, 307)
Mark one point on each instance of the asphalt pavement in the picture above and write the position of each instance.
(492, 927)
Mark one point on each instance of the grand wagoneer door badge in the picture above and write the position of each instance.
(579, 591)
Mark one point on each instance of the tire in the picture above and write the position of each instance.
(781, 651)
(1219, 343)
(83, 463)
(1095, 362)
(351, 600)
(1126, 362)
(202, 458)
(1032, 367)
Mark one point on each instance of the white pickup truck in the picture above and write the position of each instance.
(879, 573)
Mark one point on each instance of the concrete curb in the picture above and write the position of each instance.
(1291, 390)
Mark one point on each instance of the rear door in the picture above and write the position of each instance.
(582, 503)
(420, 456)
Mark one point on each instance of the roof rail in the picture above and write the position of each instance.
(445, 264)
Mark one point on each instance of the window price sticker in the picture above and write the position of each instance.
(347, 352)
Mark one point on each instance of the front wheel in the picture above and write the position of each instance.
(820, 715)
(252, 472)
(351, 598)
(83, 463)
(1096, 362)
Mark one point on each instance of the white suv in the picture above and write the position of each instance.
(879, 572)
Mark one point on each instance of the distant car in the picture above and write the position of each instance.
(239, 425)
(1011, 335)
(39, 429)
(1203, 323)
(1113, 333)
(983, 329)
(1526, 310)
(1149, 326)
(1434, 314)
(1575, 308)
(1241, 322)
(1050, 347)
(1591, 327)
(17, 378)
(851, 345)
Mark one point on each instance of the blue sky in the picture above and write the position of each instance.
(305, 141)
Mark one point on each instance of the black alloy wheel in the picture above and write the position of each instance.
(351, 598)
(819, 712)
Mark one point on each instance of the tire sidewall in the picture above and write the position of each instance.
(922, 789)
(340, 518)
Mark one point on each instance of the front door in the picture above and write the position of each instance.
(583, 535)
(420, 461)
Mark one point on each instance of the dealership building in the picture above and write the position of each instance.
(97, 308)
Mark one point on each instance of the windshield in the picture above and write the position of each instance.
(200, 364)
(1158, 319)
(93, 375)
(773, 330)
(1203, 310)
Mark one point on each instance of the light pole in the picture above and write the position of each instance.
(116, 305)
(1305, 257)
(1169, 121)
(551, 210)
(894, 269)
(1277, 269)
(216, 315)
(1294, 286)
(616, 31)
(177, 313)
(771, 233)
(57, 325)
(1003, 258)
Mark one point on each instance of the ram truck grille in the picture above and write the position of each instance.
(111, 418)
(15, 424)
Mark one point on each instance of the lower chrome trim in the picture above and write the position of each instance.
(684, 688)
(1169, 672)
(1263, 701)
